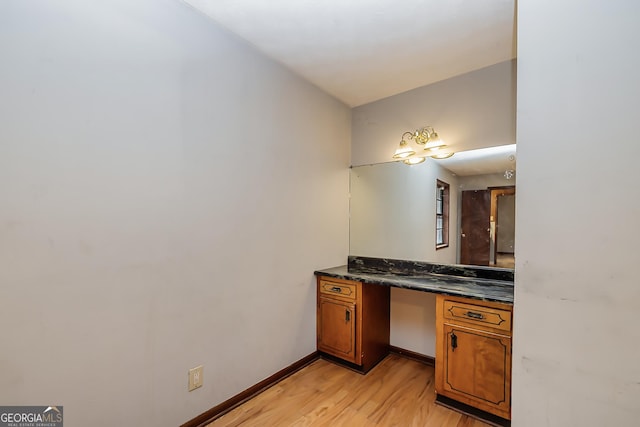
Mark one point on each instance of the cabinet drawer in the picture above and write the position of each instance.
(478, 315)
(344, 290)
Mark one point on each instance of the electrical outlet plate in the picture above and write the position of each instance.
(195, 377)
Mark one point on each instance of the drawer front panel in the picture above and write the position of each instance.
(338, 289)
(478, 315)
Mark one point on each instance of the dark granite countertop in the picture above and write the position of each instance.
(481, 283)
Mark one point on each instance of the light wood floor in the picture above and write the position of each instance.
(505, 261)
(397, 392)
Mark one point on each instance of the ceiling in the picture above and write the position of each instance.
(364, 50)
(482, 161)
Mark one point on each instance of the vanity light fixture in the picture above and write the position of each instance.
(426, 137)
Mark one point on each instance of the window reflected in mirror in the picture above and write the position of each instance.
(442, 214)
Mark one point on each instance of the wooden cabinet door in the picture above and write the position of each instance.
(477, 368)
(337, 328)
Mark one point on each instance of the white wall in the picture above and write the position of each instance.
(482, 182)
(165, 195)
(505, 233)
(473, 110)
(576, 337)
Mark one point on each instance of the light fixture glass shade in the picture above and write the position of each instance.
(434, 142)
(414, 161)
(442, 155)
(403, 151)
(436, 149)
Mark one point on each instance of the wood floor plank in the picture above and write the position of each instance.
(399, 392)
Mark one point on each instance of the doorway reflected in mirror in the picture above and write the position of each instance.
(487, 226)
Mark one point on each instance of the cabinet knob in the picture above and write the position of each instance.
(347, 316)
(336, 289)
(454, 341)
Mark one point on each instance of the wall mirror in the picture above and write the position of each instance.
(396, 210)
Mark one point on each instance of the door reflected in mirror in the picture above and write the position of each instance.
(394, 209)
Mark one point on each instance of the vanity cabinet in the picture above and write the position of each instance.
(353, 321)
(473, 353)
